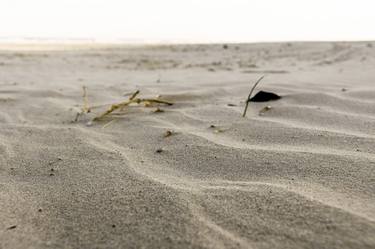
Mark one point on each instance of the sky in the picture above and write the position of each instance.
(189, 20)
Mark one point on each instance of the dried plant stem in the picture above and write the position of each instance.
(251, 92)
(155, 101)
(114, 107)
(132, 99)
(134, 95)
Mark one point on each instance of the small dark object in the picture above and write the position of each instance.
(51, 174)
(55, 161)
(40, 210)
(158, 110)
(12, 227)
(168, 133)
(212, 126)
(159, 150)
(264, 110)
(231, 105)
(113, 226)
(263, 96)
(225, 46)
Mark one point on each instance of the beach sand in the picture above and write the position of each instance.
(299, 175)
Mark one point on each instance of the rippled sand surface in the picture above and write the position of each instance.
(299, 175)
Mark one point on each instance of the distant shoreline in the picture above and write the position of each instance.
(138, 41)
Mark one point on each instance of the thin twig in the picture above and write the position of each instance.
(251, 92)
(156, 101)
(131, 98)
(134, 95)
(115, 107)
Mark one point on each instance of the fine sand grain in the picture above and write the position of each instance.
(299, 173)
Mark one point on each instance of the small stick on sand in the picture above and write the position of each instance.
(251, 92)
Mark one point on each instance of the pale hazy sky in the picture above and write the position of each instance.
(190, 20)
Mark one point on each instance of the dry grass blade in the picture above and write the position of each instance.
(113, 108)
(158, 101)
(132, 99)
(251, 92)
(134, 95)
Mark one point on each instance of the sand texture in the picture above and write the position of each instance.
(300, 174)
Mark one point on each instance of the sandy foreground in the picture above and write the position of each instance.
(299, 175)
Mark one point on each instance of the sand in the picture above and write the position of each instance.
(299, 175)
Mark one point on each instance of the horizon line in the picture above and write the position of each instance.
(161, 41)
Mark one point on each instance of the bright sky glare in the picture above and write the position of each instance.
(189, 20)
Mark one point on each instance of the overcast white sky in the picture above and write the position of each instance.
(189, 20)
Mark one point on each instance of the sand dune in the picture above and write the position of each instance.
(300, 175)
